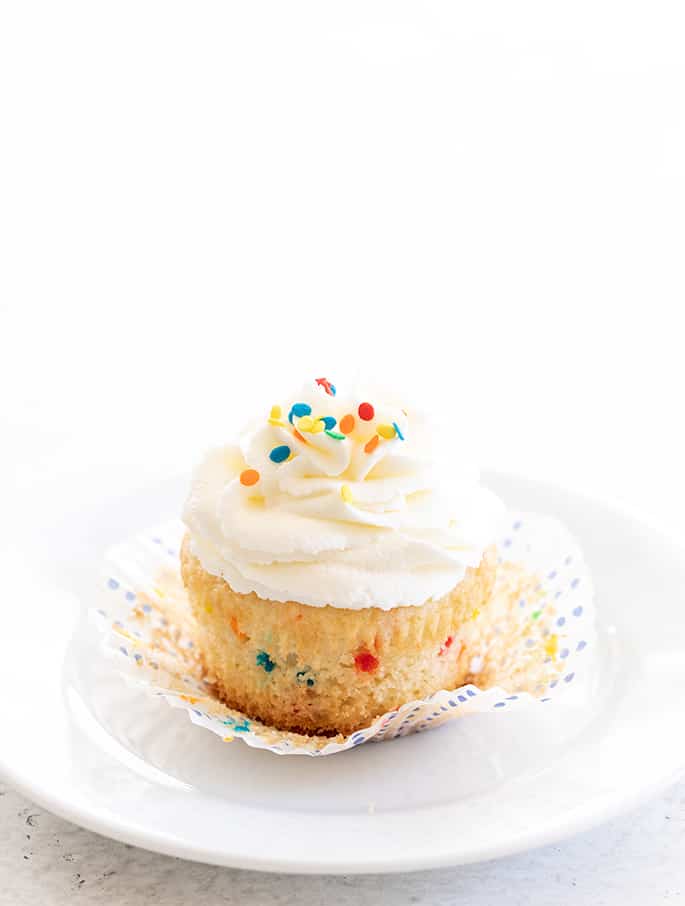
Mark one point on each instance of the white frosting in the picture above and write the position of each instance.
(335, 524)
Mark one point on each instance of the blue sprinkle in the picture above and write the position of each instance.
(453, 704)
(146, 608)
(577, 611)
(575, 583)
(280, 454)
(471, 693)
(123, 650)
(561, 621)
(242, 728)
(516, 526)
(500, 704)
(397, 430)
(522, 602)
(462, 698)
(581, 645)
(553, 574)
(130, 596)
(512, 698)
(298, 410)
(569, 677)
(530, 643)
(113, 584)
(507, 542)
(564, 653)
(263, 660)
(545, 699)
(157, 540)
(329, 422)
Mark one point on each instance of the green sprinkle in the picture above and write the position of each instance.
(535, 614)
(335, 435)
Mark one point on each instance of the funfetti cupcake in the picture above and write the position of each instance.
(332, 564)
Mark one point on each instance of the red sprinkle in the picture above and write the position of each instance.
(365, 662)
(445, 645)
(366, 411)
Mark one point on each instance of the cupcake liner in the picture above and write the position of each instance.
(530, 647)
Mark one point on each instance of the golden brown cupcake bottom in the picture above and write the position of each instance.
(328, 670)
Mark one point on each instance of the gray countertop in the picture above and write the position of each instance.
(637, 859)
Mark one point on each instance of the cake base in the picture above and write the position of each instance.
(328, 670)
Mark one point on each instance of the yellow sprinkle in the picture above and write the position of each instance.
(158, 591)
(317, 427)
(552, 645)
(475, 614)
(208, 608)
(257, 499)
(346, 493)
(229, 738)
(122, 632)
(306, 423)
(276, 413)
(386, 431)
(189, 699)
(277, 422)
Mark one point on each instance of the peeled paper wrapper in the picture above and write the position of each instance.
(527, 648)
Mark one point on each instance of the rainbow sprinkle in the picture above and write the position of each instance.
(372, 444)
(263, 660)
(249, 477)
(298, 410)
(386, 431)
(280, 454)
(397, 430)
(346, 493)
(327, 386)
(347, 424)
(329, 422)
(335, 435)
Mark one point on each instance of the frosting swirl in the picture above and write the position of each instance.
(335, 500)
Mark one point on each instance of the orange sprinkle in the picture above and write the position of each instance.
(299, 436)
(372, 444)
(249, 477)
(236, 629)
(347, 424)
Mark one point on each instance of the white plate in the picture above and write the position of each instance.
(79, 742)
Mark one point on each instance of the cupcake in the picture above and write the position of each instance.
(333, 562)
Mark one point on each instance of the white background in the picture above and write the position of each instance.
(203, 203)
